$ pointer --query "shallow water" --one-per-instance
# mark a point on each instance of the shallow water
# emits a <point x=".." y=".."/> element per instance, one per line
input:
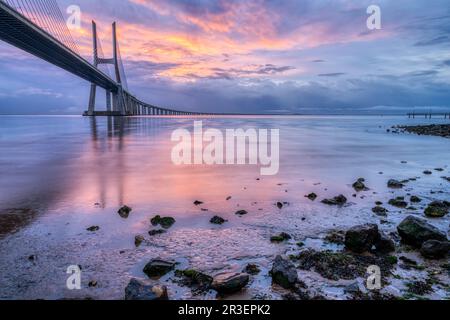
<point x="64" y="174"/>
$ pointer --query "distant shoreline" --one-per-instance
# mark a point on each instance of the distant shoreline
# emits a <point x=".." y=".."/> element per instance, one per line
<point x="239" y="114"/>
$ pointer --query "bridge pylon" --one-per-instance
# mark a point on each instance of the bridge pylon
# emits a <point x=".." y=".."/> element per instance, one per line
<point x="115" y="101"/>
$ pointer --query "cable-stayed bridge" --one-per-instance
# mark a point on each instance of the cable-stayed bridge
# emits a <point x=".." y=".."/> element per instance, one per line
<point x="39" y="28"/>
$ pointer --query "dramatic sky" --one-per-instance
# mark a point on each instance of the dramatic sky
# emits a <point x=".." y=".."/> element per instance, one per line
<point x="286" y="56"/>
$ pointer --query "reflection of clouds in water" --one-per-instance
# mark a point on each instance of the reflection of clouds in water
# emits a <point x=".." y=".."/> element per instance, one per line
<point x="69" y="164"/>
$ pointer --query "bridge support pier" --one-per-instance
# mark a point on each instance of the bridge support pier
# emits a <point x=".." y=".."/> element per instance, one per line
<point x="120" y="101"/>
<point x="108" y="101"/>
<point x="91" y="107"/>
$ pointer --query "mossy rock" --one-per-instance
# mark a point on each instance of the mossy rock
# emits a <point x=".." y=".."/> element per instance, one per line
<point x="436" y="209"/>
<point x="312" y="196"/>
<point x="392" y="259"/>
<point x="281" y="237"/>
<point x="341" y="265"/>
<point x="415" y="231"/>
<point x="124" y="212"/>
<point x="252" y="269"/>
<point x="283" y="272"/>
<point x="359" y="185"/>
<point x="398" y="202"/>
<point x="339" y="200"/>
<point x="138" y="240"/>
<point x="165" y="222"/>
<point x="217" y="220"/>
<point x="361" y="238"/>
<point x="158" y="268"/>
<point x="380" y="211"/>
<point x="241" y="212"/>
<point x="202" y="280"/>
<point x="155" y="220"/>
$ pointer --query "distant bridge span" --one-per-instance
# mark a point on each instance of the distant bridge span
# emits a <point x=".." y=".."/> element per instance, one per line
<point x="17" y="29"/>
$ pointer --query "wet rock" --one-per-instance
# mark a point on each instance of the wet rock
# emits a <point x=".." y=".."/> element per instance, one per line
<point x="336" y="201"/>
<point x="446" y="267"/>
<point x="436" y="209"/>
<point x="217" y="220"/>
<point x="335" y="236"/>
<point x="398" y="202"/>
<point x="196" y="279"/>
<point x="419" y="287"/>
<point x="284" y="273"/>
<point x="312" y="196"/>
<point x="93" y="228"/>
<point x="124" y="212"/>
<point x="361" y="238"/>
<point x="395" y="184"/>
<point x="340" y="265"/>
<point x="415" y="231"/>
<point x="138" y="290"/>
<point x="440" y="130"/>
<point x="359" y="185"/>
<point x="252" y="269"/>
<point x="197" y="202"/>
<point x="279" y="205"/>
<point x="380" y="211"/>
<point x="353" y="289"/>
<point x="384" y="244"/>
<point x="281" y="237"/>
<point x="408" y="263"/>
<point x="156" y="232"/>
<point x="392" y="259"/>
<point x="158" y="268"/>
<point x="165" y="222"/>
<point x="230" y="282"/>
<point x="434" y="249"/>
<point x="155" y="220"/>
<point x="415" y="199"/>
<point x="138" y="240"/>
<point x="241" y="212"/>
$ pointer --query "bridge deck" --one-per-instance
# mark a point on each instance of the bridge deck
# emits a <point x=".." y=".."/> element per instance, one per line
<point x="429" y="114"/>
<point x="21" y="33"/>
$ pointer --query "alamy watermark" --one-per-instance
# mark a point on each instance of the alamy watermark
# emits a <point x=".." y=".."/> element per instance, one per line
<point x="73" y="22"/>
<point x="231" y="147"/>
<point x="374" y="20"/>
<point x="374" y="279"/>
<point x="73" y="282"/>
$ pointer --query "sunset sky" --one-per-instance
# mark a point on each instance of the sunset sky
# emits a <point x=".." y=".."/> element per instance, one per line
<point x="283" y="56"/>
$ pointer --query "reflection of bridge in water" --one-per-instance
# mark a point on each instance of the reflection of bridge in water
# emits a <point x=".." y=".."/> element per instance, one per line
<point x="38" y="27"/>
<point x="94" y="171"/>
<point x="107" y="144"/>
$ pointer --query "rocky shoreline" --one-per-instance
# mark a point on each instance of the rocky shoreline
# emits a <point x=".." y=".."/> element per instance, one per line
<point x="439" y="130"/>
<point x="313" y="240"/>
<point x="361" y="248"/>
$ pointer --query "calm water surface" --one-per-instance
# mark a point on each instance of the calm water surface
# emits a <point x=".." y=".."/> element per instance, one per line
<point x="60" y="175"/>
